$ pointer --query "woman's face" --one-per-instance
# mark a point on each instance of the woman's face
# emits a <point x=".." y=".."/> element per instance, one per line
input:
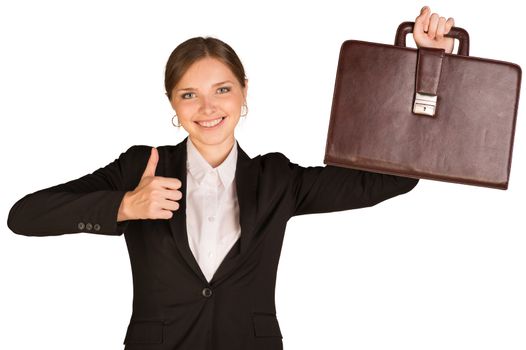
<point x="208" y="100"/>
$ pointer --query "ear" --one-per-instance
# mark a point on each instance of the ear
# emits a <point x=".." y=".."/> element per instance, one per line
<point x="245" y="90"/>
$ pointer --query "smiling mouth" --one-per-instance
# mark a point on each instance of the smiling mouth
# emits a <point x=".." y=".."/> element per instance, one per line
<point x="211" y="123"/>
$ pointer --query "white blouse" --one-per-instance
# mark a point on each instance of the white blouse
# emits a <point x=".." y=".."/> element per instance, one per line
<point x="212" y="209"/>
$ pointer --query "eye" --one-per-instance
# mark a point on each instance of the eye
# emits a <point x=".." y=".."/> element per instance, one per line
<point x="183" y="95"/>
<point x="225" y="87"/>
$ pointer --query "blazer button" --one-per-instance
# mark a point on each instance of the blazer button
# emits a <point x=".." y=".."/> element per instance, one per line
<point x="96" y="227"/>
<point x="81" y="226"/>
<point x="207" y="292"/>
<point x="89" y="226"/>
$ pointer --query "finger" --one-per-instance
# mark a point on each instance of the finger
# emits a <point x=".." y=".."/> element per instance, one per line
<point x="167" y="204"/>
<point x="441" y="28"/>
<point x="165" y="214"/>
<point x="171" y="183"/>
<point x="152" y="163"/>
<point x="421" y="20"/>
<point x="433" y="23"/>
<point x="450" y="23"/>
<point x="173" y="195"/>
<point x="426" y="20"/>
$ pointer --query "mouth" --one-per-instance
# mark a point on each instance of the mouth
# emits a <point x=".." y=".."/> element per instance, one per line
<point x="211" y="124"/>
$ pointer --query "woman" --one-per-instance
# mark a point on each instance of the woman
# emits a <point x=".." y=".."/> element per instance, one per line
<point x="203" y="222"/>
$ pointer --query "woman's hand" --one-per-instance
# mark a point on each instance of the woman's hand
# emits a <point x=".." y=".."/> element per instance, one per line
<point x="429" y="30"/>
<point x="154" y="197"/>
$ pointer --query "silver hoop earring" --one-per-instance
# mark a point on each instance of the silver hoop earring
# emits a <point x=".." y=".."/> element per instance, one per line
<point x="244" y="113"/>
<point x="178" y="124"/>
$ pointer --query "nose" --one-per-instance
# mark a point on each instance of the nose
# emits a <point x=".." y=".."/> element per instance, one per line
<point x="207" y="105"/>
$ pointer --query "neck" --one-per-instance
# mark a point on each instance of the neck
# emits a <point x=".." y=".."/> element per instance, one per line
<point x="214" y="154"/>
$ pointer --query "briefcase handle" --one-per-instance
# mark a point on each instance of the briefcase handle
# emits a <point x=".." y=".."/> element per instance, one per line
<point x="456" y="32"/>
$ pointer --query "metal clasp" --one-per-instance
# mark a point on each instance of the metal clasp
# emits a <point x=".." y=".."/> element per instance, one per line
<point x="425" y="104"/>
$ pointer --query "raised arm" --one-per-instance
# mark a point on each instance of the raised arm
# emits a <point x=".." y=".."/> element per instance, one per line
<point x="87" y="204"/>
<point x="330" y="188"/>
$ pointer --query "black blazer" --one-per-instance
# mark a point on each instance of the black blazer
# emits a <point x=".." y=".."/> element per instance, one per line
<point x="174" y="307"/>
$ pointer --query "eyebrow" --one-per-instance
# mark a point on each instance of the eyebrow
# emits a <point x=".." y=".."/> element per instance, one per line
<point x="191" y="88"/>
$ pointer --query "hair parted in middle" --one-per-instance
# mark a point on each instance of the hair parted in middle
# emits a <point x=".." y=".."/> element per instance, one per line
<point x="194" y="49"/>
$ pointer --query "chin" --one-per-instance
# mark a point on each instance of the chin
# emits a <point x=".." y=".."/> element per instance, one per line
<point x="212" y="139"/>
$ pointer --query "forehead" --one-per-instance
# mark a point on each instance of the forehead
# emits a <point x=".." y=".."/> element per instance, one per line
<point x="206" y="71"/>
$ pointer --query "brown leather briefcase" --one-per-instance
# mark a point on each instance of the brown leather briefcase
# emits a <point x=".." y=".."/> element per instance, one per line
<point x="423" y="113"/>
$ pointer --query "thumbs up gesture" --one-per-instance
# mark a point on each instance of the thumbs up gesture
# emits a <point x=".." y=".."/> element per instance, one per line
<point x="155" y="197"/>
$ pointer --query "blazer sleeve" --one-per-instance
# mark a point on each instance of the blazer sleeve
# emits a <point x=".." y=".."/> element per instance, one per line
<point x="88" y="204"/>
<point x="318" y="189"/>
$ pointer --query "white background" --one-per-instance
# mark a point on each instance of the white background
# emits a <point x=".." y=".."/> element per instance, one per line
<point x="443" y="267"/>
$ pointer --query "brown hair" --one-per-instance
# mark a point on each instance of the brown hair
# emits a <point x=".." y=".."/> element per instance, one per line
<point x="194" y="49"/>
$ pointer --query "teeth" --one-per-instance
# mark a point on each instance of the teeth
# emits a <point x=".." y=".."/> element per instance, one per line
<point x="210" y="123"/>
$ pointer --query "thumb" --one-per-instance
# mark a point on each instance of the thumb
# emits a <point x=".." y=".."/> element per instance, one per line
<point x="422" y="21"/>
<point x="152" y="163"/>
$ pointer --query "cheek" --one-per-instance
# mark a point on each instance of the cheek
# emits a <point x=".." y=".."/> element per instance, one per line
<point x="185" y="111"/>
<point x="233" y="106"/>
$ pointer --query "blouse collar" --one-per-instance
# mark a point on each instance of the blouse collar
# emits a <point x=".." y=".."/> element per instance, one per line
<point x="199" y="167"/>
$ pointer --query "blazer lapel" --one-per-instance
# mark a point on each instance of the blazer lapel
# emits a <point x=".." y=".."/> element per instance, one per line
<point x="176" y="167"/>
<point x="246" y="178"/>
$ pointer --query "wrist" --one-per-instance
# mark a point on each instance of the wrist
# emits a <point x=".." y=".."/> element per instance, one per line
<point x="123" y="213"/>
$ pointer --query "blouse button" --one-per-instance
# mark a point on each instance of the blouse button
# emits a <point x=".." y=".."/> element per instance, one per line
<point x="211" y="218"/>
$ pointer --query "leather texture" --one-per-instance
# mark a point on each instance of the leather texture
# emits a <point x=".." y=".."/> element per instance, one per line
<point x="469" y="140"/>
<point x="428" y="70"/>
<point x="174" y="306"/>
